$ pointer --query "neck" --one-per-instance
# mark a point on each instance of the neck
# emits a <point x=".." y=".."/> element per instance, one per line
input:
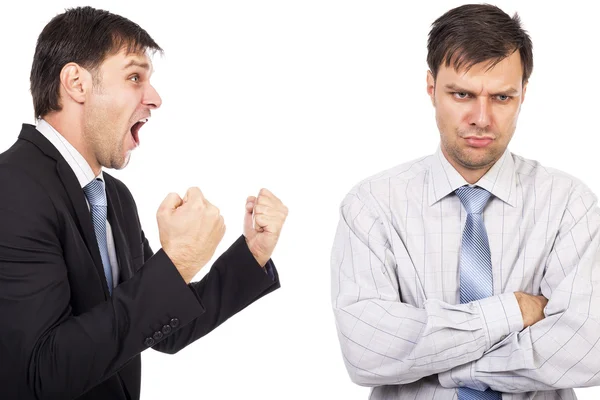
<point x="72" y="130"/>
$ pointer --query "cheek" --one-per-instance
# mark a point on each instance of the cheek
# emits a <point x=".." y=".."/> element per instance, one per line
<point x="450" y="115"/>
<point x="506" y="119"/>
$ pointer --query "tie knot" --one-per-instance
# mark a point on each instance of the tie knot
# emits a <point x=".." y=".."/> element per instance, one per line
<point x="473" y="199"/>
<point x="94" y="191"/>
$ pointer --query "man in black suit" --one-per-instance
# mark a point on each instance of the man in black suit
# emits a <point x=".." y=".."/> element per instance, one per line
<point x="81" y="292"/>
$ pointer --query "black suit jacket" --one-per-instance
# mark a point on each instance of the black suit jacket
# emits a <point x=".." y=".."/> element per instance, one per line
<point x="62" y="335"/>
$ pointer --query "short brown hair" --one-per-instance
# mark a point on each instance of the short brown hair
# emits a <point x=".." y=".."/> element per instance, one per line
<point x="474" y="33"/>
<point x="85" y="36"/>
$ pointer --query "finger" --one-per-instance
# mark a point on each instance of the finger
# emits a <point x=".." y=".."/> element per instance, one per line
<point x="194" y="194"/>
<point x="223" y="228"/>
<point x="268" y="223"/>
<point x="266" y="200"/>
<point x="269" y="211"/>
<point x="171" y="202"/>
<point x="267" y="193"/>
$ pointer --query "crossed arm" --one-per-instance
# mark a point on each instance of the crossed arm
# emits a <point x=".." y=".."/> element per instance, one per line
<point x="486" y="343"/>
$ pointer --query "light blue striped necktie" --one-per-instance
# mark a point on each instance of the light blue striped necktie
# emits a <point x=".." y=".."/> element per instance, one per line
<point x="475" y="265"/>
<point x="94" y="191"/>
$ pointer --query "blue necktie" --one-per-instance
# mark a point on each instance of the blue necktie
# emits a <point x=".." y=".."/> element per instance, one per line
<point x="475" y="265"/>
<point x="94" y="191"/>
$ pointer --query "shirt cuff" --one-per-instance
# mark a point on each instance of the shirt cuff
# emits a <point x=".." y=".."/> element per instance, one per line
<point x="501" y="315"/>
<point x="461" y="376"/>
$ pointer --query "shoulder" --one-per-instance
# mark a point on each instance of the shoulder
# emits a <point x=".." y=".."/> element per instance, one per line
<point x="375" y="188"/>
<point x="24" y="195"/>
<point x="553" y="179"/>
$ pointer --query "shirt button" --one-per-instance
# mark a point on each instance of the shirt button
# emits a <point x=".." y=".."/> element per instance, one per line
<point x="157" y="335"/>
<point x="166" y="329"/>
<point x="174" y="322"/>
<point x="461" y="383"/>
<point x="149" y="342"/>
<point x="503" y="337"/>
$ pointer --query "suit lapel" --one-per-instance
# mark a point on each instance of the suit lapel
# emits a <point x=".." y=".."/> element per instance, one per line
<point x="115" y="216"/>
<point x="84" y="217"/>
<point x="75" y="193"/>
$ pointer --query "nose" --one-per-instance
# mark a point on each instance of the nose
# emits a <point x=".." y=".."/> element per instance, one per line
<point x="152" y="98"/>
<point x="481" y="115"/>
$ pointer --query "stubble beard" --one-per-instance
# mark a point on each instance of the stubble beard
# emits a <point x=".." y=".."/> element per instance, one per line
<point x="461" y="154"/>
<point x="105" y="145"/>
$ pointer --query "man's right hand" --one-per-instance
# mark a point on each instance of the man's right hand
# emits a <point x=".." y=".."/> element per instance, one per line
<point x="532" y="307"/>
<point x="190" y="230"/>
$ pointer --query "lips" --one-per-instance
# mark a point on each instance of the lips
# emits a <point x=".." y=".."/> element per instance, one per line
<point x="478" y="142"/>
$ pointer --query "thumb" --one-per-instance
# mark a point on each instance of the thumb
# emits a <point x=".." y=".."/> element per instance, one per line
<point x="248" y="220"/>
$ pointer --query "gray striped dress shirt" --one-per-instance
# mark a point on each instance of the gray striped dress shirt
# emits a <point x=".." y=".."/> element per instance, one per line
<point x="395" y="283"/>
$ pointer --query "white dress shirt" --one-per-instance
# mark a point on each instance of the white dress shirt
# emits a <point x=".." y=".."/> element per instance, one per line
<point x="396" y="295"/>
<point x="84" y="175"/>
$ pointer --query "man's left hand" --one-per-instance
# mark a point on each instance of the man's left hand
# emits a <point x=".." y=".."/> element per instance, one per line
<point x="265" y="215"/>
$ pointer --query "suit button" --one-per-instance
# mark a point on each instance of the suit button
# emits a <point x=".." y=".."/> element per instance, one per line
<point x="174" y="322"/>
<point x="149" y="342"/>
<point x="166" y="329"/>
<point x="157" y="335"/>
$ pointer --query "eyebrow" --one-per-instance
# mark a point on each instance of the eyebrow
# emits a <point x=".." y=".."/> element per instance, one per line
<point x="135" y="63"/>
<point x="509" y="91"/>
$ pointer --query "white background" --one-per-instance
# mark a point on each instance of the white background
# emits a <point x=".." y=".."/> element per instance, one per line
<point x="305" y="98"/>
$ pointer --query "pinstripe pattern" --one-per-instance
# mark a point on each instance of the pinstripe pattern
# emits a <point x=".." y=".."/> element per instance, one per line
<point x="94" y="191"/>
<point x="395" y="283"/>
<point x="475" y="265"/>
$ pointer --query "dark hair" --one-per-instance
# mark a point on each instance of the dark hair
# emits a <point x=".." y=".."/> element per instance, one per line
<point x="474" y="33"/>
<point x="85" y="36"/>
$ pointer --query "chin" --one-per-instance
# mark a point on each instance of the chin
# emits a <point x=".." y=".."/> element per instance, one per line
<point x="124" y="163"/>
<point x="484" y="160"/>
<point x="120" y="163"/>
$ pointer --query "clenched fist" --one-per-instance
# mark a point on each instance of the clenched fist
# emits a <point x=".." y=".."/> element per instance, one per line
<point x="262" y="234"/>
<point x="190" y="230"/>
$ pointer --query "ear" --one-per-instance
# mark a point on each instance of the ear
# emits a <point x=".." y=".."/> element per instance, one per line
<point x="431" y="87"/>
<point x="75" y="82"/>
<point x="524" y="90"/>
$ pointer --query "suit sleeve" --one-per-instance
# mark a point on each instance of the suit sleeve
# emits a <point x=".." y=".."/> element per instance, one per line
<point x="234" y="281"/>
<point x="46" y="350"/>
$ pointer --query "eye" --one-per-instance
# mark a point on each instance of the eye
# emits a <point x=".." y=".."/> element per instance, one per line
<point x="135" y="78"/>
<point x="460" y="95"/>
<point x="503" y="98"/>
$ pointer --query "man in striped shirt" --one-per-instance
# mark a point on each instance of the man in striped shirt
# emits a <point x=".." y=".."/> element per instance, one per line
<point x="469" y="274"/>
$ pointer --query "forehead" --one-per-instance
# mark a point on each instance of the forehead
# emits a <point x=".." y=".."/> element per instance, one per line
<point x="125" y="61"/>
<point x="508" y="71"/>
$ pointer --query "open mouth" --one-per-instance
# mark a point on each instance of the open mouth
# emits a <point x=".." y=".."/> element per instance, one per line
<point x="135" y="130"/>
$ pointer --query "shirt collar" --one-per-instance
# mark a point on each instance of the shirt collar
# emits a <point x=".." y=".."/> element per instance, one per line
<point x="499" y="180"/>
<point x="78" y="164"/>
